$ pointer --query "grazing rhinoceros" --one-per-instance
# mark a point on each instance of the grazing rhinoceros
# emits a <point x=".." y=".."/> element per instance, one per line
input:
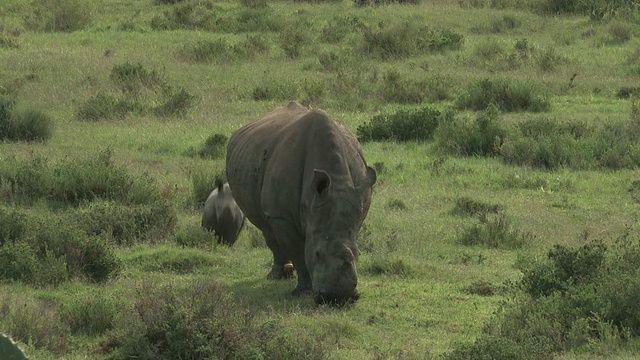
<point x="222" y="215"/>
<point x="302" y="179"/>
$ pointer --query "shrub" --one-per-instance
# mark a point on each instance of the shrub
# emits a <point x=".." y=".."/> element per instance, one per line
<point x="132" y="78"/>
<point x="59" y="15"/>
<point x="175" y="102"/>
<point x="12" y="225"/>
<point x="199" y="321"/>
<point x="508" y="96"/>
<point x="466" y="206"/>
<point x="292" y="39"/>
<point x="18" y="262"/>
<point x="495" y="231"/>
<point x="395" y="88"/>
<point x="404" y="125"/>
<point x="34" y="321"/>
<point x="258" y="19"/>
<point x="272" y="90"/>
<point x="214" y="147"/>
<point x="104" y="106"/>
<point x="191" y="16"/>
<point x="126" y="224"/>
<point x="483" y="137"/>
<point x="89" y="313"/>
<point x="28" y="125"/>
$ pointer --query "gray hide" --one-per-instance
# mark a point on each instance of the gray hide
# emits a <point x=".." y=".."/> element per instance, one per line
<point x="301" y="178"/>
<point x="222" y="215"/>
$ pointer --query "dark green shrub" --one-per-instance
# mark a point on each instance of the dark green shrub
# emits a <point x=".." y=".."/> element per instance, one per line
<point x="566" y="268"/>
<point x="214" y="147"/>
<point x="104" y="106"/>
<point x="59" y="15"/>
<point x="466" y="206"/>
<point x="35" y="322"/>
<point x="27" y="125"/>
<point x="175" y="102"/>
<point x="404" y="125"/>
<point x="200" y="15"/>
<point x="127" y="224"/>
<point x="292" y="39"/>
<point x="18" y="262"/>
<point x="89" y="313"/>
<point x="272" y="90"/>
<point x="396" y="204"/>
<point x="197" y="320"/>
<point x="12" y="225"/>
<point x="209" y="51"/>
<point x="259" y="19"/>
<point x="508" y="96"/>
<point x="483" y="136"/>
<point x="73" y="181"/>
<point x="132" y="78"/>
<point x="396" y="88"/>
<point x="438" y="39"/>
<point x="395" y="41"/>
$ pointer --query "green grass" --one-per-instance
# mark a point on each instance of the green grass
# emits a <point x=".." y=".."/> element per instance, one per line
<point x="425" y="290"/>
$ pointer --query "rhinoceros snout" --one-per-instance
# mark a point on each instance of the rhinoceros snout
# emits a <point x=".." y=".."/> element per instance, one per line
<point x="328" y="298"/>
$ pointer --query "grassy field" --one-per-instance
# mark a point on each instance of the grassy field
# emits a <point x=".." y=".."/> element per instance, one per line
<point x="142" y="85"/>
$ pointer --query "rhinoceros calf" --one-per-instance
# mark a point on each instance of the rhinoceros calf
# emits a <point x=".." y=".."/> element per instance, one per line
<point x="222" y="215"/>
<point x="301" y="178"/>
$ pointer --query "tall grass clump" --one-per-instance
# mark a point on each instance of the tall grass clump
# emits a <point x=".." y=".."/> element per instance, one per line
<point x="404" y="125"/>
<point x="398" y="89"/>
<point x="482" y="136"/>
<point x="26" y="125"/>
<point x="188" y="15"/>
<point x="495" y="230"/>
<point x="508" y="95"/>
<point x="198" y="320"/>
<point x="214" y="147"/>
<point x="59" y="15"/>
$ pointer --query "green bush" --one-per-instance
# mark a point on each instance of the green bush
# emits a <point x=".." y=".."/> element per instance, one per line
<point x="90" y="313"/>
<point x="507" y="95"/>
<point x="466" y="206"/>
<point x="483" y="136"/>
<point x="189" y="15"/>
<point x="35" y="322"/>
<point x="12" y="225"/>
<point x="27" y="125"/>
<point x="214" y="147"/>
<point x="197" y="320"/>
<point x="18" y="262"/>
<point x="132" y="78"/>
<point x="175" y="102"/>
<point x="104" y="106"/>
<point x="404" y="125"/>
<point x="59" y="15"/>
<point x="126" y="224"/>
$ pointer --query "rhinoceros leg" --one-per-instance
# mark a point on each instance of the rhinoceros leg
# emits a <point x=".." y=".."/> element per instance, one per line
<point x="279" y="269"/>
<point x="291" y="242"/>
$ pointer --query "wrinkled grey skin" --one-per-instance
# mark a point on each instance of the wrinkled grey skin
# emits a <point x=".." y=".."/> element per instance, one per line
<point x="222" y="215"/>
<point x="301" y="178"/>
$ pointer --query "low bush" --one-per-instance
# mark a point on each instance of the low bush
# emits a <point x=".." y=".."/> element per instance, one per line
<point x="34" y="321"/>
<point x="403" y="39"/>
<point x="59" y="15"/>
<point x="198" y="320"/>
<point x="466" y="206"/>
<point x="199" y="15"/>
<point x="483" y="136"/>
<point x="90" y="313"/>
<point x="404" y="125"/>
<point x="214" y="147"/>
<point x="507" y="95"/>
<point x="574" y="298"/>
<point x="394" y="88"/>
<point x="26" y="125"/>
<point x="138" y="90"/>
<point x="126" y="224"/>
<point x="73" y="181"/>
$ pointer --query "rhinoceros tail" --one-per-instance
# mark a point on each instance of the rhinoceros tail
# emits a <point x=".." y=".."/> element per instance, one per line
<point x="219" y="185"/>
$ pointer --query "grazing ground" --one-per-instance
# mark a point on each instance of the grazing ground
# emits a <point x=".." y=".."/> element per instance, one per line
<point x="507" y="229"/>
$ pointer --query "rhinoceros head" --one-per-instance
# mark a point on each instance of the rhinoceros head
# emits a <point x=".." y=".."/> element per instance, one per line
<point x="331" y="252"/>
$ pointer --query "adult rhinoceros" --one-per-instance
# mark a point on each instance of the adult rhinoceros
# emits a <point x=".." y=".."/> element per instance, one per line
<point x="302" y="179"/>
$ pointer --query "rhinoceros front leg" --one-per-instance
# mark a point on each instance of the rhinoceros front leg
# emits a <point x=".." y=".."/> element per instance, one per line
<point x="281" y="268"/>
<point x="291" y="243"/>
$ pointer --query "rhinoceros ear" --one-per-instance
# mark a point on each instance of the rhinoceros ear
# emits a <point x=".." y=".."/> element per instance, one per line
<point x="321" y="183"/>
<point x="370" y="179"/>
